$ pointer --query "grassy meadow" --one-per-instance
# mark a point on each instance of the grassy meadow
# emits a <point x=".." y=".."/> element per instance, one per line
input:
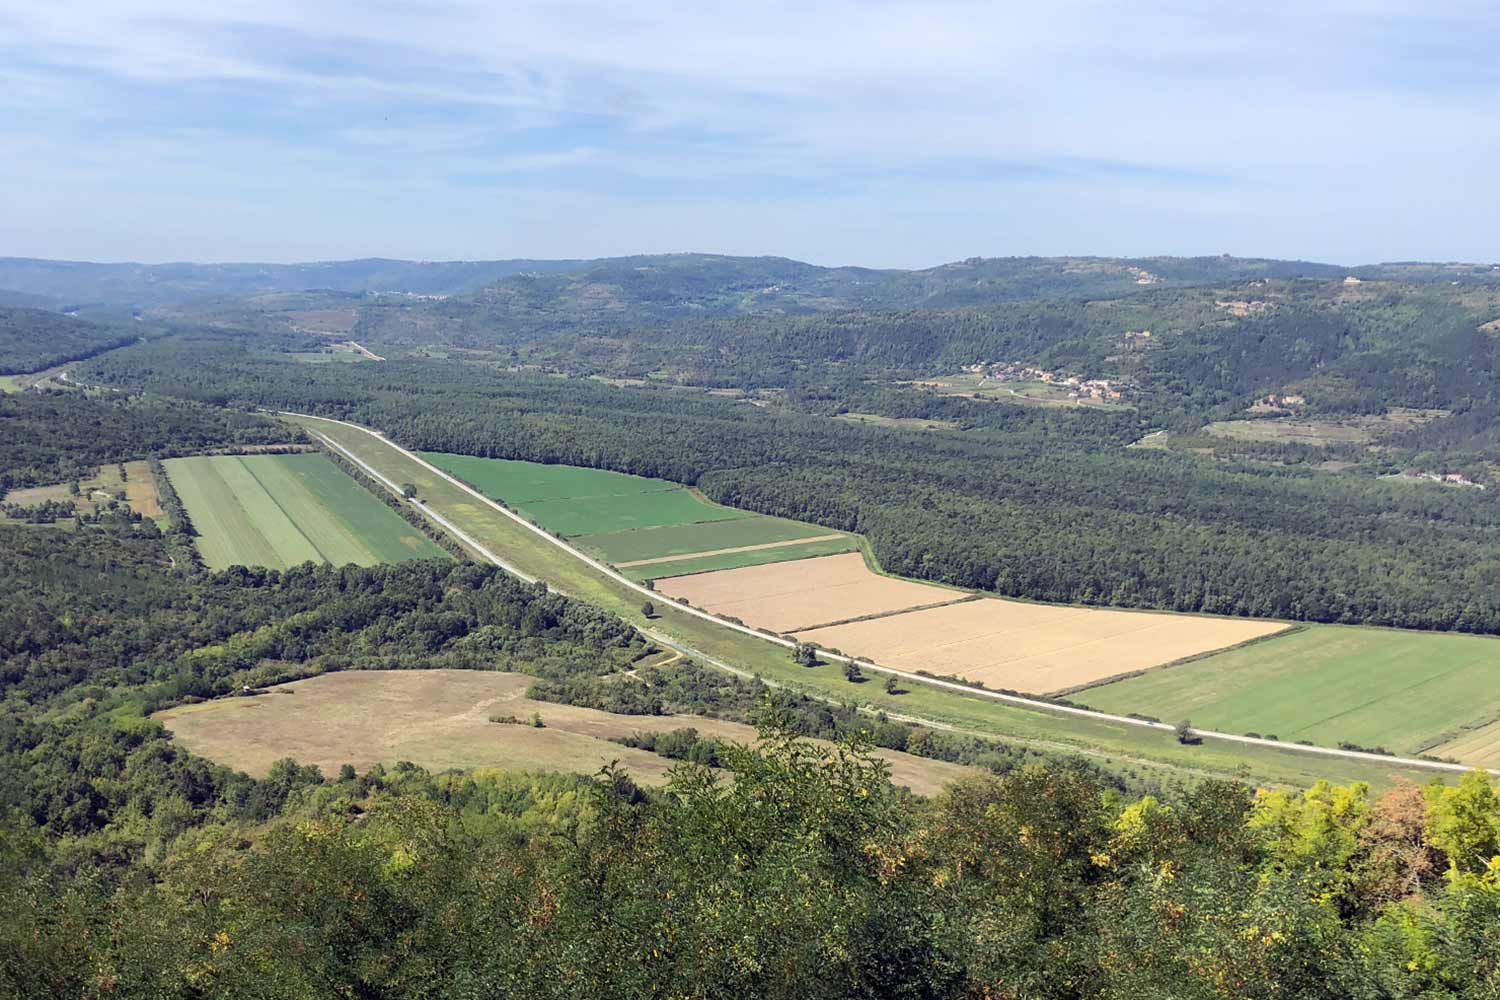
<point x="1405" y="691"/>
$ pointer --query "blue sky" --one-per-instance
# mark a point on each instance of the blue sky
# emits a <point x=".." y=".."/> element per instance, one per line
<point x="885" y="134"/>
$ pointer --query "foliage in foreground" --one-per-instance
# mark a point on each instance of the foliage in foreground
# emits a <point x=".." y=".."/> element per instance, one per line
<point x="806" y="875"/>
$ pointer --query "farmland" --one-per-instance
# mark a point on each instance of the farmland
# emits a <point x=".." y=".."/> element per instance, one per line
<point x="788" y="597"/>
<point x="651" y="527"/>
<point x="1407" y="691"/>
<point x="283" y="510"/>
<point x="681" y="540"/>
<point x="440" y="719"/>
<point x="1035" y="648"/>
<point x="1138" y="749"/>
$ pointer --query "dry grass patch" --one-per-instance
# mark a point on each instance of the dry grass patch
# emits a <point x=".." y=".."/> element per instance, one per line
<point x="1035" y="648"/>
<point x="94" y="491"/>
<point x="790" y="596"/>
<point x="440" y="719"/>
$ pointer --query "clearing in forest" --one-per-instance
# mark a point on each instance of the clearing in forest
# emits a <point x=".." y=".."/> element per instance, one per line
<point x="283" y="510"/>
<point x="1375" y="687"/>
<point x="138" y="485"/>
<point x="1035" y="648"/>
<point x="791" y="596"/>
<point x="440" y="719"/>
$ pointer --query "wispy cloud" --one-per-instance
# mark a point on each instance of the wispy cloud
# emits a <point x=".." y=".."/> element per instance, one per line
<point x="873" y="132"/>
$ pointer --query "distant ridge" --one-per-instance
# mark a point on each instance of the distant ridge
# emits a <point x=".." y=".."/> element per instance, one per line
<point x="691" y="278"/>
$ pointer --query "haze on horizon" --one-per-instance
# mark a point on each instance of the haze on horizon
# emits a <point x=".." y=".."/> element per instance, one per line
<point x="880" y="134"/>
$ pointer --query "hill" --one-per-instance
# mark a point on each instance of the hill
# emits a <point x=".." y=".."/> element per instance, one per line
<point x="86" y="282"/>
<point x="33" y="339"/>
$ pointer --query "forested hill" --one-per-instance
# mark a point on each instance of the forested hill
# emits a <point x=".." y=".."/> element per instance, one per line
<point x="532" y="292"/>
<point x="64" y="282"/>
<point x="33" y="339"/>
<point x="634" y="291"/>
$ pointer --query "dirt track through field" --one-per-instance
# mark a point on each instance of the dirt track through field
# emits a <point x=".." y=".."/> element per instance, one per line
<point x="726" y="552"/>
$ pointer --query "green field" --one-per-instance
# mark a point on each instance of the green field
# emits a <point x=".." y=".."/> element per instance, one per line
<point x="682" y="539"/>
<point x="1405" y="691"/>
<point x="590" y="515"/>
<point x="734" y="560"/>
<point x="283" y="510"/>
<point x="523" y="482"/>
<point x="571" y="500"/>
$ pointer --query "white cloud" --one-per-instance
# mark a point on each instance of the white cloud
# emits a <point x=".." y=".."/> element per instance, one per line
<point x="1176" y="124"/>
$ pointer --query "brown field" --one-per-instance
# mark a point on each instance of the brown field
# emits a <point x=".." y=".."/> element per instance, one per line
<point x="440" y="719"/>
<point x="1480" y="747"/>
<point x="139" y="486"/>
<point x="1034" y="648"/>
<point x="804" y="593"/>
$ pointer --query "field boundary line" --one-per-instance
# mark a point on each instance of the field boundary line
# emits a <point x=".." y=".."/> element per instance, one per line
<point x="283" y="511"/>
<point x="1022" y="701"/>
<point x="655" y="560"/>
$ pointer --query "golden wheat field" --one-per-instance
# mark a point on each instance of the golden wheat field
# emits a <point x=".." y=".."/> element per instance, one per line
<point x="1034" y="648"/>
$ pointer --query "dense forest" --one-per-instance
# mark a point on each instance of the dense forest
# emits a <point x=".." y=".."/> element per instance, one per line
<point x="33" y="339"/>
<point x="49" y="437"/>
<point x="1038" y="503"/>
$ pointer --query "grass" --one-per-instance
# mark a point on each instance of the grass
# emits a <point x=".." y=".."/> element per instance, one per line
<point x="8" y="383"/>
<point x="283" y="510"/>
<point x="899" y="423"/>
<point x="1021" y="393"/>
<point x="735" y="560"/>
<point x="1115" y="745"/>
<point x="592" y="515"/>
<point x="1406" y="691"/>
<point x="571" y="500"/>
<point x="524" y="482"/>
<point x="1360" y="429"/>
<point x="682" y="539"/>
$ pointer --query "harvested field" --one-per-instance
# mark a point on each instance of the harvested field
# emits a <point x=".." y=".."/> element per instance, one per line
<point x="1034" y="648"/>
<point x="283" y="510"/>
<point x="791" y="596"/>
<point x="440" y="719"/>
<point x="1405" y="691"/>
<point x="1479" y="746"/>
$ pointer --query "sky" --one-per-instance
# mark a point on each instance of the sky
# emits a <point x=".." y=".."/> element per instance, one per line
<point x="873" y="133"/>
